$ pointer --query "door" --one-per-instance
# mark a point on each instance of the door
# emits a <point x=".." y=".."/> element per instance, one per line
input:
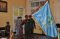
<point x="17" y="11"/>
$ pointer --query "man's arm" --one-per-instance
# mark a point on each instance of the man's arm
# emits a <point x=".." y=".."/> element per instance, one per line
<point x="34" y="24"/>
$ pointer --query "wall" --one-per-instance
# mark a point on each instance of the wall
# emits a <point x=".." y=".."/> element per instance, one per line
<point x="55" y="7"/>
<point x="8" y="16"/>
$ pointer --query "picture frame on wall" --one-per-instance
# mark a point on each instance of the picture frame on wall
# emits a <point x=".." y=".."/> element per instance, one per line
<point x="3" y="6"/>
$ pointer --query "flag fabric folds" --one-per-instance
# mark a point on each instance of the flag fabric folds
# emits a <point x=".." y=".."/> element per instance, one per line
<point x="44" y="17"/>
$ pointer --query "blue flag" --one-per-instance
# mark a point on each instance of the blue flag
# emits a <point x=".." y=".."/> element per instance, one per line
<point x="44" y="17"/>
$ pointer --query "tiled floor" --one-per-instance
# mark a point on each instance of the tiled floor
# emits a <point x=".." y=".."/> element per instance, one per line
<point x="35" y="36"/>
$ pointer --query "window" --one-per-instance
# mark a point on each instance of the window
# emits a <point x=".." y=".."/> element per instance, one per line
<point x="33" y="4"/>
<point x="36" y="5"/>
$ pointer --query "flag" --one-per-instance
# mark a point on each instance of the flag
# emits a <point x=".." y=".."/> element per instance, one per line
<point x="44" y="17"/>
